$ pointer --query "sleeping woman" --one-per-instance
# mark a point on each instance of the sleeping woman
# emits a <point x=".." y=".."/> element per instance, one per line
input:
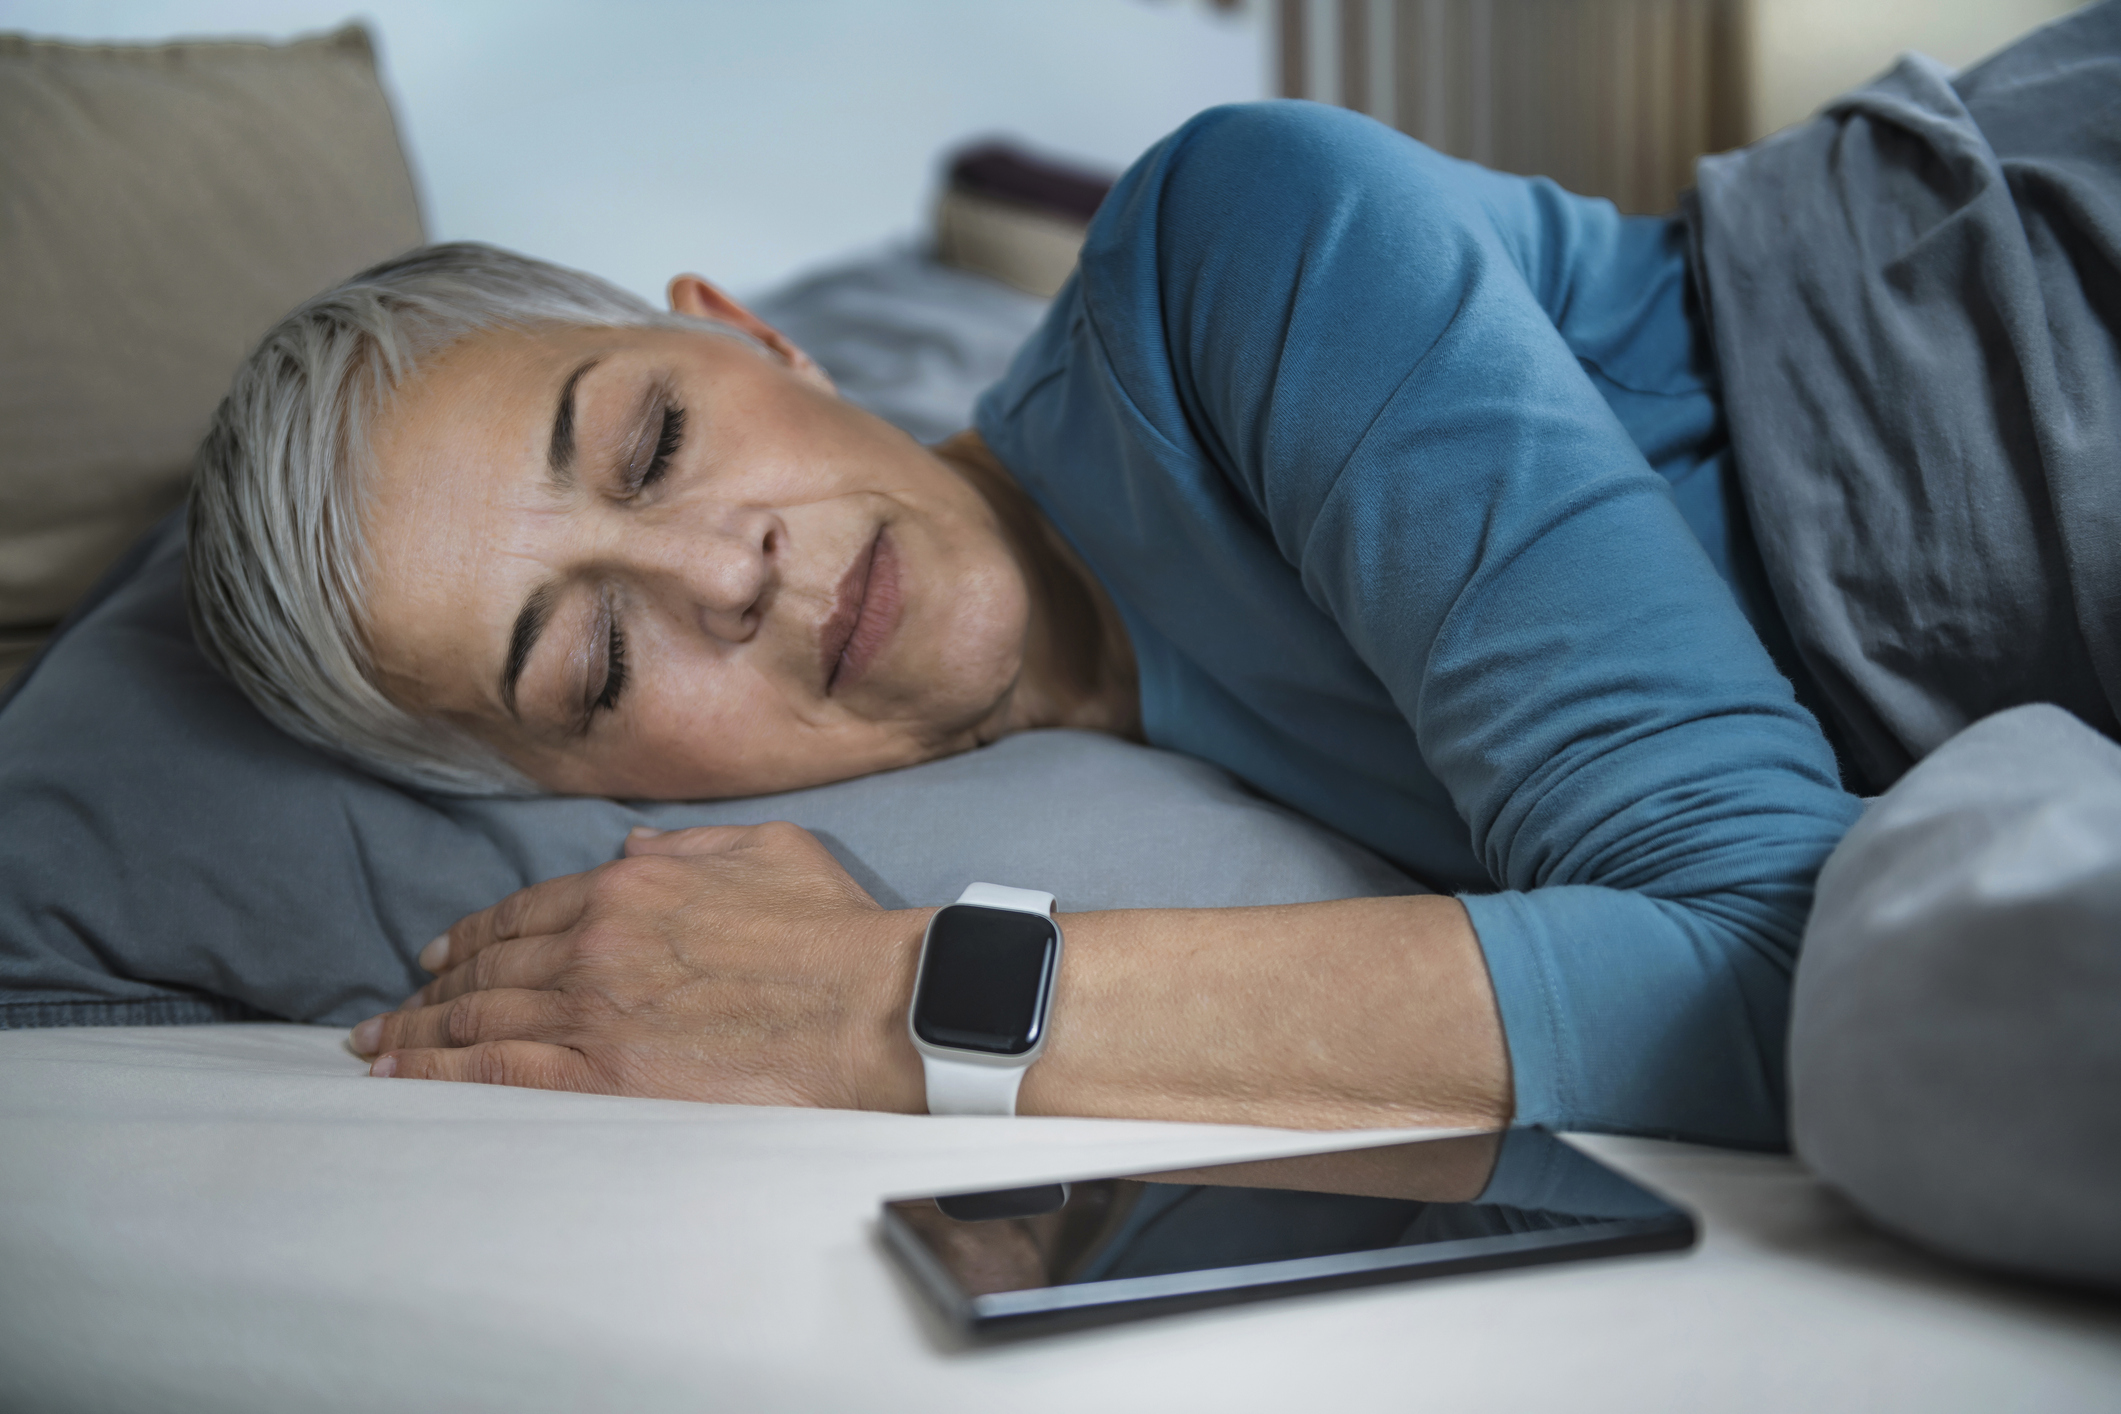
<point x="1403" y="490"/>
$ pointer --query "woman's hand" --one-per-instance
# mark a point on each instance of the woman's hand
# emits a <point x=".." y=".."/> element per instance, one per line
<point x="724" y="963"/>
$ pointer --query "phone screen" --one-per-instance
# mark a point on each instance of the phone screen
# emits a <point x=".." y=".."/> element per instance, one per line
<point x="1105" y="1248"/>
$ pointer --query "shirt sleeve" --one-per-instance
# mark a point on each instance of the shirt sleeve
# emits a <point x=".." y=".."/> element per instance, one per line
<point x="1314" y="302"/>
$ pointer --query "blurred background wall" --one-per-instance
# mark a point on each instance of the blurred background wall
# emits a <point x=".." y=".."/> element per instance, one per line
<point x="745" y="139"/>
<point x="750" y="139"/>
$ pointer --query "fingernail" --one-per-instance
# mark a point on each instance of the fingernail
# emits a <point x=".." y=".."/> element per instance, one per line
<point x="435" y="956"/>
<point x="384" y="1068"/>
<point x="642" y="832"/>
<point x="367" y="1034"/>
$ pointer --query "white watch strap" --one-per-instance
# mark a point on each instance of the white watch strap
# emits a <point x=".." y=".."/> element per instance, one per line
<point x="967" y="1087"/>
<point x="1002" y="896"/>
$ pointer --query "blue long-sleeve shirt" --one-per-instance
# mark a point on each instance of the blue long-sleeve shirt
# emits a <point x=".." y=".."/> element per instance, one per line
<point x="1338" y="423"/>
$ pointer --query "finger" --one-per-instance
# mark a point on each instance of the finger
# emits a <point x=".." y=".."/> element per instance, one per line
<point x="510" y="1015"/>
<point x="549" y="907"/>
<point x="528" y="1063"/>
<point x="534" y="963"/>
<point x="701" y="839"/>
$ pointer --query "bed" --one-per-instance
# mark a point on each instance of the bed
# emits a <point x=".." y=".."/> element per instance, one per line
<point x="227" y="1214"/>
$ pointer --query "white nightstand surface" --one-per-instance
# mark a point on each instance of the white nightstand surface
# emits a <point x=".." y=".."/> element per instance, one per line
<point x="232" y="1218"/>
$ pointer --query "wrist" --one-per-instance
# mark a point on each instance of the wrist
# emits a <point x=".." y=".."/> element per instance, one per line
<point x="983" y="996"/>
<point x="886" y="1068"/>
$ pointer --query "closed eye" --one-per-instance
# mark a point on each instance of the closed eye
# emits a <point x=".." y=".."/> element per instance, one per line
<point x="668" y="439"/>
<point x="614" y="672"/>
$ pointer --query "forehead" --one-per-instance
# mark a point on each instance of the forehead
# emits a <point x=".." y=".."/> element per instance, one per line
<point x="495" y="384"/>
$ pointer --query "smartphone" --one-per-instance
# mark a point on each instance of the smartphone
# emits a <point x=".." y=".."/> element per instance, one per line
<point x="1061" y="1255"/>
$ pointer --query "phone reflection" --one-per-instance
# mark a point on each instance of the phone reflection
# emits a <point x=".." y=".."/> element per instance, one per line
<point x="1224" y="1215"/>
<point x="995" y="1203"/>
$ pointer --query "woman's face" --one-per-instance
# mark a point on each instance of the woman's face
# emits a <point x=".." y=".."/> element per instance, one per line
<point x="659" y="563"/>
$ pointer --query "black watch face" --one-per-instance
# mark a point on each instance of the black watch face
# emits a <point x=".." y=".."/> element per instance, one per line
<point x="983" y="979"/>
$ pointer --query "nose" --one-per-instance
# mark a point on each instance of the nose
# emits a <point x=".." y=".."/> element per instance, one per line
<point x="725" y="571"/>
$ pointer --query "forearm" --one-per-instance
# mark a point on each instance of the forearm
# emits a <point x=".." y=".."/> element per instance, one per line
<point x="743" y="965"/>
<point x="1364" y="1012"/>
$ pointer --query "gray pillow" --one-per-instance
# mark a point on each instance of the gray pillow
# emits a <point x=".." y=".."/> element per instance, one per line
<point x="1955" y="1055"/>
<point x="904" y="336"/>
<point x="171" y="857"/>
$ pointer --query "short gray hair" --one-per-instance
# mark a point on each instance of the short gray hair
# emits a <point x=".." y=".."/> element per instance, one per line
<point x="276" y="561"/>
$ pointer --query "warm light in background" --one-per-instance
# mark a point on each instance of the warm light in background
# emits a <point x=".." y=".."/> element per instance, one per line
<point x="1807" y="51"/>
<point x="1615" y="98"/>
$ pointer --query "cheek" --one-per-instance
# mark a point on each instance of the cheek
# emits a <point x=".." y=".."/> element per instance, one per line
<point x="677" y="748"/>
<point x="754" y="747"/>
<point x="711" y="727"/>
<point x="703" y="708"/>
<point x="979" y="641"/>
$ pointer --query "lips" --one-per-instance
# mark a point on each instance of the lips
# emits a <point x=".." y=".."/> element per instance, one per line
<point x="864" y="611"/>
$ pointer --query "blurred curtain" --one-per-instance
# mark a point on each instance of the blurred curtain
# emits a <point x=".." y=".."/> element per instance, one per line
<point x="1612" y="98"/>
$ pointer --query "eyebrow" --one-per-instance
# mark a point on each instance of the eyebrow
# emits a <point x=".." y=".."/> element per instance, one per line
<point x="559" y="456"/>
<point x="523" y="637"/>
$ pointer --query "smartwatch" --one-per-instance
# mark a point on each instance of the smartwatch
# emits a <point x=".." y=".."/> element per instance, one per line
<point x="982" y="997"/>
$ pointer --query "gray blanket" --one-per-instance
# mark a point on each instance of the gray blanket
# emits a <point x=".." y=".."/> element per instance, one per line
<point x="1915" y="299"/>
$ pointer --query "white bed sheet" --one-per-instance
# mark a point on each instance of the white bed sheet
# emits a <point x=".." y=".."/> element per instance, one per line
<point x="237" y="1218"/>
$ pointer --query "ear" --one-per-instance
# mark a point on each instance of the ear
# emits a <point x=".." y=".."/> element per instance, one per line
<point x="691" y="295"/>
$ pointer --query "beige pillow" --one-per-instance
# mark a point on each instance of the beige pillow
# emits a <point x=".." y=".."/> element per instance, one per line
<point x="1019" y="245"/>
<point x="1016" y="216"/>
<point x="163" y="206"/>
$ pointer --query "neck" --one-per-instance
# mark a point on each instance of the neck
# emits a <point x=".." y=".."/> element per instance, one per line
<point x="1078" y="663"/>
